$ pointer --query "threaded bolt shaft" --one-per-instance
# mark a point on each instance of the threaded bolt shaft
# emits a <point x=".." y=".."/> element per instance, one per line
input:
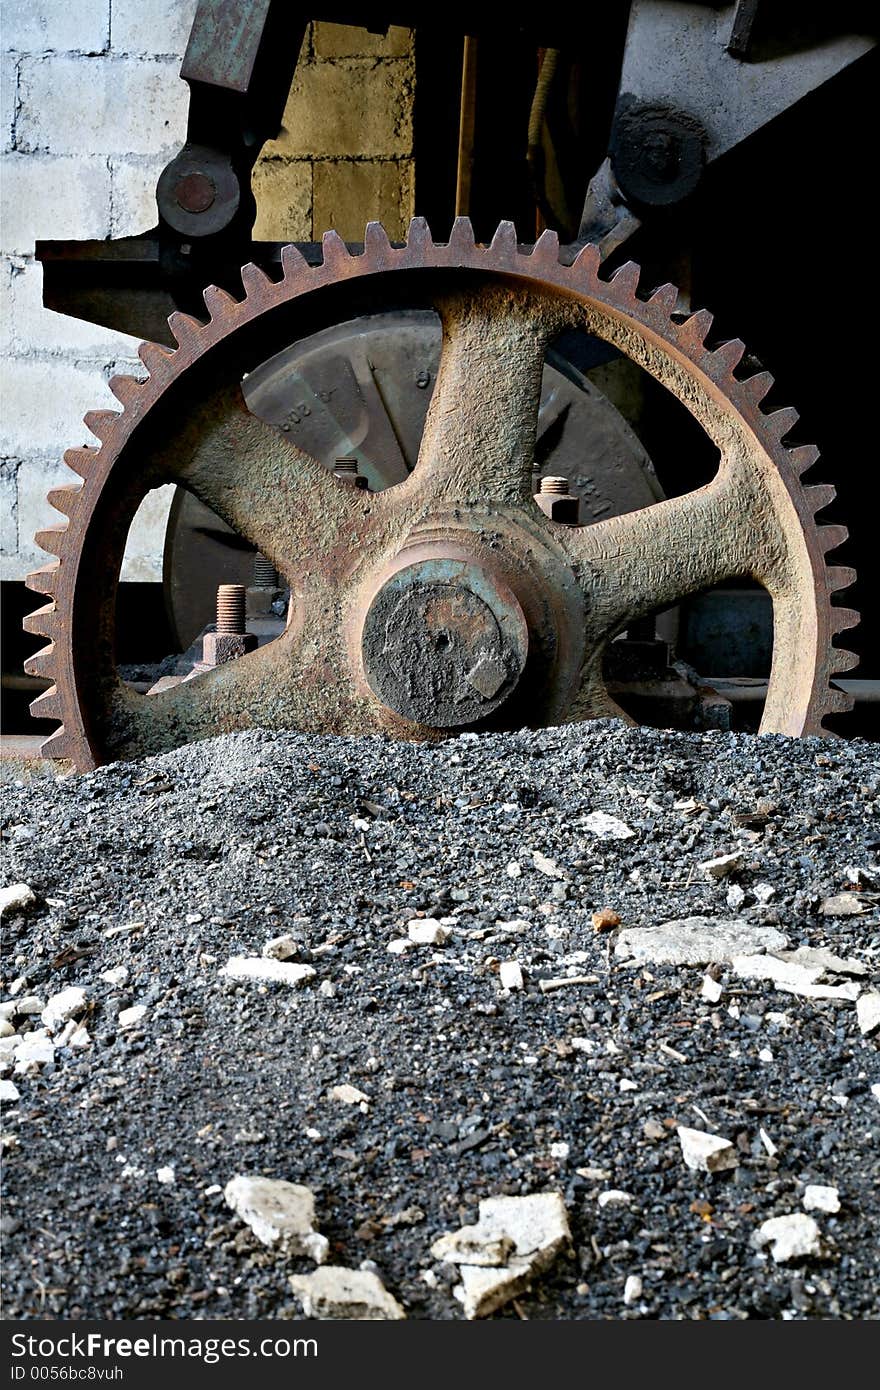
<point x="265" y="573"/>
<point x="557" y="487"/>
<point x="231" y="609"/>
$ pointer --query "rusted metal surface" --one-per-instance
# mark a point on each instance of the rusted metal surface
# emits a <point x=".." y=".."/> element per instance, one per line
<point x="469" y="498"/>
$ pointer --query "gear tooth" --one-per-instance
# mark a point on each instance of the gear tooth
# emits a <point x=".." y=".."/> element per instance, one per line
<point x="844" y="619"/>
<point x="81" y="461"/>
<point x="41" y="623"/>
<point x="156" y="359"/>
<point x="125" y="389"/>
<point x="802" y="457"/>
<point x="57" y="745"/>
<point x="293" y="262"/>
<point x="819" y="496"/>
<point x="830" y="537"/>
<point x="841" y="577"/>
<point x="782" y="422"/>
<point x="504" y="242"/>
<point x="44" y="580"/>
<point x="843" y="660"/>
<point x="546" y="248"/>
<point x="418" y="235"/>
<point x="47" y="705"/>
<point x="65" y="498"/>
<point x="333" y="248"/>
<point x="41" y="663"/>
<point x="101" y="423"/>
<point x="729" y="355"/>
<point x="376" y="240"/>
<point x="218" y="302"/>
<point x="757" y="386"/>
<point x="664" y="298"/>
<point x="51" y="538"/>
<point x="695" y="329"/>
<point x="839" y="702"/>
<point x="184" y="328"/>
<point x="626" y="279"/>
<point x="254" y="281"/>
<point x="461" y="238"/>
<point x="587" y="261"/>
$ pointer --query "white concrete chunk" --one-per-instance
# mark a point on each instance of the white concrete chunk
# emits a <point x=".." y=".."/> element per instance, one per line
<point x="792" y="978"/>
<point x="842" y="905"/>
<point x="116" y="975"/>
<point x="354" y="1294"/>
<point x="349" y="1095"/>
<point x="523" y="1234"/>
<point x="16" y="897"/>
<point x="510" y="974"/>
<point x="63" y="1006"/>
<point x="262" y="970"/>
<point x="868" y="1013"/>
<point x="792" y="1237"/>
<point x="723" y="866"/>
<point x="697" y="941"/>
<point x="706" y="1153"/>
<point x="280" y="948"/>
<point x="606" y="827"/>
<point x="427" y="931"/>
<point x="818" y="1197"/>
<point x="130" y="1018"/>
<point x="279" y="1213"/>
<point x="34" y="1050"/>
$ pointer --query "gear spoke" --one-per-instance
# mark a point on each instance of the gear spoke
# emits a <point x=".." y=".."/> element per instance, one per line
<point x="259" y="482"/>
<point x="479" y="439"/>
<point x="634" y="564"/>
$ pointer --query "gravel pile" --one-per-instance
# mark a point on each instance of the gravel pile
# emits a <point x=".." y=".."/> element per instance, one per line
<point x="639" y="970"/>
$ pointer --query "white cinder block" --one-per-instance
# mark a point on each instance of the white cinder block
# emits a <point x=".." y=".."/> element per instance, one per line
<point x="146" y="539"/>
<point x="152" y="27"/>
<point x="103" y="105"/>
<point x="39" y="26"/>
<point x="134" y="194"/>
<point x="52" y="199"/>
<point x="36" y="329"/>
<point x="43" y="405"/>
<point x="8" y="507"/>
<point x="6" y="306"/>
<point x="8" y="97"/>
<point x="35" y="478"/>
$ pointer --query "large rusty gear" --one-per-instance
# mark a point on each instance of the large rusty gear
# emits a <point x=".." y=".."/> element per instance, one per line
<point x="450" y="599"/>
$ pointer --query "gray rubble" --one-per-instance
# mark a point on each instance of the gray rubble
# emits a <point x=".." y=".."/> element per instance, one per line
<point x="148" y="878"/>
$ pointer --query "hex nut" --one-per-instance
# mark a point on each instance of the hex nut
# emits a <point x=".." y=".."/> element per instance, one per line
<point x="220" y="647"/>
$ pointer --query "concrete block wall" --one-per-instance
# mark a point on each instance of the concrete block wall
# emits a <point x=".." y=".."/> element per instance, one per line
<point x="92" y="109"/>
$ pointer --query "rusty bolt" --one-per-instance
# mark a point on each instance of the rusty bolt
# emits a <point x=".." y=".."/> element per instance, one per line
<point x="265" y="573"/>
<point x="265" y="589"/>
<point x="231" y="639"/>
<point x="347" y="471"/>
<point x="556" y="502"/>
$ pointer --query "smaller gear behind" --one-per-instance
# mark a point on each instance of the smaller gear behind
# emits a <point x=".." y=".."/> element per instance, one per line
<point x="514" y="607"/>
